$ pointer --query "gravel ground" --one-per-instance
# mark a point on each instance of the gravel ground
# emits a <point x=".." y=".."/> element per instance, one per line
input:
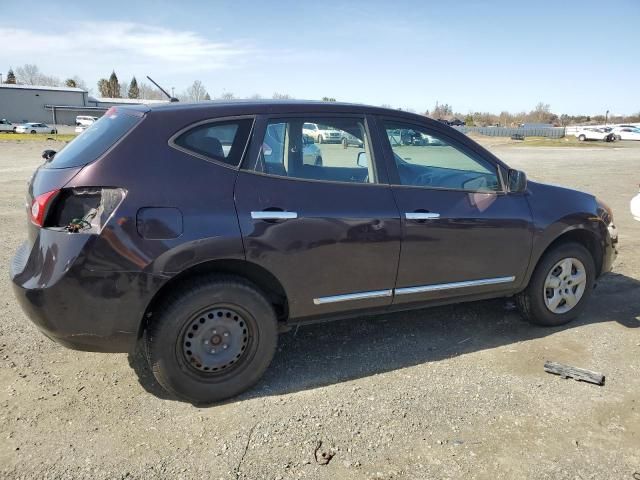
<point x="449" y="392"/>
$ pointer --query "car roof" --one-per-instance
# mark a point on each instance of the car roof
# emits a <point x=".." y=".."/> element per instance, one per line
<point x="237" y="107"/>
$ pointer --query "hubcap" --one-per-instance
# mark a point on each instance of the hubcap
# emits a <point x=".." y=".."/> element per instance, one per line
<point x="215" y="339"/>
<point x="565" y="285"/>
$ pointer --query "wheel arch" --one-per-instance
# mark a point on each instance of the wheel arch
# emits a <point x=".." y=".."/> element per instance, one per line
<point x="250" y="271"/>
<point x="582" y="236"/>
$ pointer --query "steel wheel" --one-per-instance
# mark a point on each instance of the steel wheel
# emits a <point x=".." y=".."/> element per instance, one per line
<point x="215" y="339"/>
<point x="565" y="285"/>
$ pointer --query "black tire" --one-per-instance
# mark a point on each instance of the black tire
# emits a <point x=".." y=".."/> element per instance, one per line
<point x="53" y="132"/>
<point x="318" y="162"/>
<point x="345" y="143"/>
<point x="170" y="330"/>
<point x="33" y="131"/>
<point x="582" y="138"/>
<point x="532" y="300"/>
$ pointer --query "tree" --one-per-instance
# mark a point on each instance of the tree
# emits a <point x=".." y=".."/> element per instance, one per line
<point x="207" y="97"/>
<point x="134" y="91"/>
<point x="468" y="120"/>
<point x="30" y="74"/>
<point x="103" y="87"/>
<point x="149" y="92"/>
<point x="255" y="96"/>
<point x="76" y="82"/>
<point x="109" y="88"/>
<point x="11" y="77"/>
<point x="281" y="96"/>
<point x="328" y="99"/>
<point x="196" y="92"/>
<point x="227" y="96"/>
<point x="114" y="85"/>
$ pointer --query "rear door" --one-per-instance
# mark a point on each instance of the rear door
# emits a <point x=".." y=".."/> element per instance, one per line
<point x="462" y="233"/>
<point x="329" y="232"/>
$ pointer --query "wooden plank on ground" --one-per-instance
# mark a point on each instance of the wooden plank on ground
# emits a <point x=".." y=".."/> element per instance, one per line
<point x="580" y="374"/>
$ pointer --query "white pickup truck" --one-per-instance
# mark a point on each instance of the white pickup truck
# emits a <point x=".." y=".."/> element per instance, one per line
<point x="6" y="126"/>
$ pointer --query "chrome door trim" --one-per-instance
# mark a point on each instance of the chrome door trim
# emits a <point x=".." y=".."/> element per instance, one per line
<point x="453" y="285"/>
<point x="421" y="215"/>
<point x="268" y="215"/>
<point x="353" y="296"/>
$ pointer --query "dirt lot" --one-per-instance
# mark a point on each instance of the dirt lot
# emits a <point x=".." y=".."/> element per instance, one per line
<point x="455" y="392"/>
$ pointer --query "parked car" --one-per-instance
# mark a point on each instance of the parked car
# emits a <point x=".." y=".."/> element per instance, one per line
<point x="85" y="120"/>
<point x="33" y="127"/>
<point x="635" y="207"/>
<point x="627" y="133"/>
<point x="593" y="133"/>
<point x="349" y="140"/>
<point x="456" y="123"/>
<point x="321" y="133"/>
<point x="6" y="126"/>
<point x="167" y="225"/>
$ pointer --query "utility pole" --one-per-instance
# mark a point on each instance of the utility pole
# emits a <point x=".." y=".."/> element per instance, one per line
<point x="606" y="116"/>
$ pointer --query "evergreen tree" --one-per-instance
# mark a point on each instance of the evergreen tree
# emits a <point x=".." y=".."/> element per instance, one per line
<point x="114" y="86"/>
<point x="70" y="82"/>
<point x="11" y="77"/>
<point x="134" y="91"/>
<point x="207" y="96"/>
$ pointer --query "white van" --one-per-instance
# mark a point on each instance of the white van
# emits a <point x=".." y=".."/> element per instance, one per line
<point x="85" y="120"/>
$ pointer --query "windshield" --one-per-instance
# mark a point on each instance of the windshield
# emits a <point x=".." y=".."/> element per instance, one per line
<point x="96" y="139"/>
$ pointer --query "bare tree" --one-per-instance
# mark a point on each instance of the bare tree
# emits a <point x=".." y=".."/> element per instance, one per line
<point x="281" y="96"/>
<point x="149" y="92"/>
<point x="227" y="96"/>
<point x="255" y="96"/>
<point x="30" y="74"/>
<point x="196" y="92"/>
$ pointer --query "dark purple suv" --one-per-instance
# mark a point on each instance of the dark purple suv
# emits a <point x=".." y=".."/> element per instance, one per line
<point x="206" y="229"/>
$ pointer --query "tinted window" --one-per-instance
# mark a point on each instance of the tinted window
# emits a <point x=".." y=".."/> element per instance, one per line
<point x="95" y="140"/>
<point x="221" y="141"/>
<point x="286" y="151"/>
<point x="426" y="160"/>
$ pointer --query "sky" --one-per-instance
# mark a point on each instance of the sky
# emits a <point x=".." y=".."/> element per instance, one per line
<point x="579" y="56"/>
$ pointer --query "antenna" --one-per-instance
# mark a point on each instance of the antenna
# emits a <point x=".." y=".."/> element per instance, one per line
<point x="171" y="99"/>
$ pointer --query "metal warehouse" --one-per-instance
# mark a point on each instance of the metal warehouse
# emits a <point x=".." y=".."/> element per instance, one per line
<point x="55" y="105"/>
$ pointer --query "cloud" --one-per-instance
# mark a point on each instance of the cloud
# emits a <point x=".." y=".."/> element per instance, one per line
<point x="111" y="44"/>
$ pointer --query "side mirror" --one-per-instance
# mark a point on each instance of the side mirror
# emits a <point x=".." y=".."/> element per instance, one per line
<point x="517" y="181"/>
<point x="363" y="160"/>
<point x="48" y="154"/>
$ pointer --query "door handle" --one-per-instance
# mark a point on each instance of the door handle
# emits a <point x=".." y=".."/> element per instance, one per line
<point x="273" y="215"/>
<point x="421" y="215"/>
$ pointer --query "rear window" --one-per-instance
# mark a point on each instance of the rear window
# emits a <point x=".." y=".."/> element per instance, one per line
<point x="95" y="140"/>
<point x="223" y="141"/>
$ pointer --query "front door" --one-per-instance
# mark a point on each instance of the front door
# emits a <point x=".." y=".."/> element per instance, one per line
<point x="329" y="231"/>
<point x="462" y="234"/>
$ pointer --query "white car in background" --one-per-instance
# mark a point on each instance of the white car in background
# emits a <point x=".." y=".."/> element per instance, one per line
<point x="322" y="133"/>
<point x="635" y="207"/>
<point x="594" y="133"/>
<point x="85" y="120"/>
<point x="33" y="127"/>
<point x="627" y="133"/>
<point x="6" y="126"/>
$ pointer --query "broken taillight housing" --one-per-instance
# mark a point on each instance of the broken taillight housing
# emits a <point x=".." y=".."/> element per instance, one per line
<point x="83" y="209"/>
<point x="41" y="205"/>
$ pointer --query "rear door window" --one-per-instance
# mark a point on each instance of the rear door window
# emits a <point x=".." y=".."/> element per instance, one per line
<point x="220" y="141"/>
<point x="96" y="140"/>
